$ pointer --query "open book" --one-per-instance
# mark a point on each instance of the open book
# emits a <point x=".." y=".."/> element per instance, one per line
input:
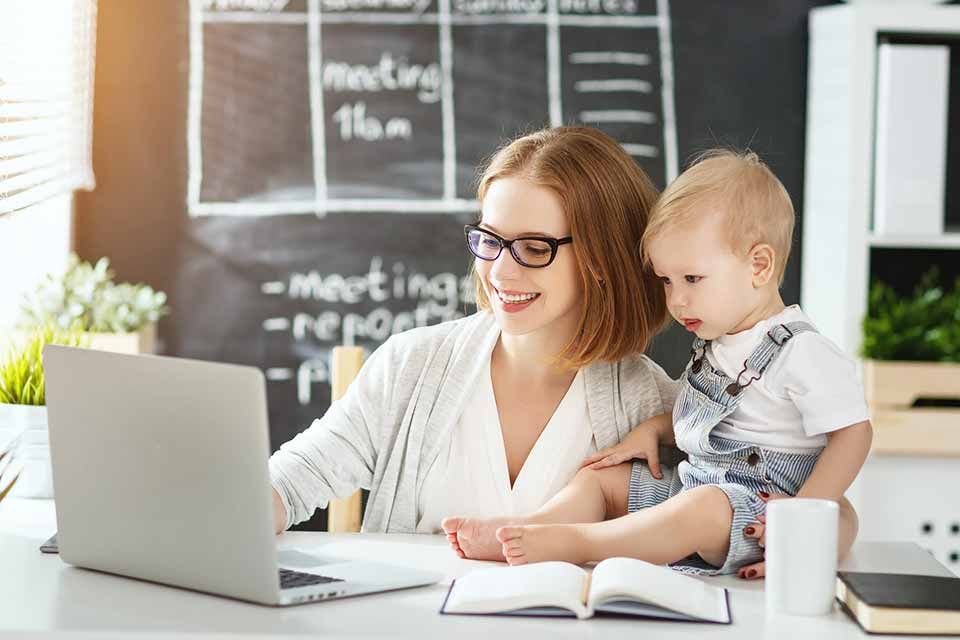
<point x="619" y="586"/>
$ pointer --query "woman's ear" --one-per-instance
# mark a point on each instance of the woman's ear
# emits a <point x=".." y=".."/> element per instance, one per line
<point x="763" y="262"/>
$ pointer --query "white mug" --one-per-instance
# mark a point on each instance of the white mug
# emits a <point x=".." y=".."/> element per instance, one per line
<point x="801" y="556"/>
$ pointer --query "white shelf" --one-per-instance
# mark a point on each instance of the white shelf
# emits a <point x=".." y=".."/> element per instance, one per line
<point x="838" y="185"/>
<point x="942" y="241"/>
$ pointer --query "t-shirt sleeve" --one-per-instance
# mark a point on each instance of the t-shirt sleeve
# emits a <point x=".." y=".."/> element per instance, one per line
<point x="822" y="382"/>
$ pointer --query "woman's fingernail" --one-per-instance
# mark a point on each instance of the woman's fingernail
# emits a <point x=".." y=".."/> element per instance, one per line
<point x="749" y="530"/>
<point x="764" y="494"/>
<point x="752" y="573"/>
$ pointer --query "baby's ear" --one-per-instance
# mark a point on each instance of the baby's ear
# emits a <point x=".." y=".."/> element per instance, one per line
<point x="763" y="262"/>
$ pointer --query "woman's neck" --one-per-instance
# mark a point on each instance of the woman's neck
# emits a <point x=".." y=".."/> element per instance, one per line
<point x="531" y="358"/>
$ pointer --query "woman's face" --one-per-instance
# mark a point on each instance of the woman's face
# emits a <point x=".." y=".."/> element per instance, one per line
<point x="526" y="300"/>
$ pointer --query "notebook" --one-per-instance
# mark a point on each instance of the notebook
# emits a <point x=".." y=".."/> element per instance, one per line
<point x="893" y="603"/>
<point x="617" y="586"/>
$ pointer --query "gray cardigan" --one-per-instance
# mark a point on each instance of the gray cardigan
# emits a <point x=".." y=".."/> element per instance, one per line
<point x="385" y="432"/>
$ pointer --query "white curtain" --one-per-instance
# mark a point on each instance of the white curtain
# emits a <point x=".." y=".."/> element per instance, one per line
<point x="46" y="99"/>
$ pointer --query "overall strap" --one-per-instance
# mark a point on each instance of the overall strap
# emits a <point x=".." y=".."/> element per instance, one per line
<point x="766" y="352"/>
<point x="773" y="342"/>
<point x="698" y="351"/>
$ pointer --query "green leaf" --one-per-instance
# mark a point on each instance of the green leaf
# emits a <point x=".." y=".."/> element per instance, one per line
<point x="22" y="379"/>
<point x="924" y="326"/>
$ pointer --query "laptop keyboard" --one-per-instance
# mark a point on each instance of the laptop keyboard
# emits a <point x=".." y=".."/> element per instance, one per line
<point x="290" y="579"/>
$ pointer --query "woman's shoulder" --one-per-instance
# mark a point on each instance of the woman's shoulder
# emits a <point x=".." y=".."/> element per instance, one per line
<point x="641" y="380"/>
<point x="640" y="367"/>
<point x="632" y="374"/>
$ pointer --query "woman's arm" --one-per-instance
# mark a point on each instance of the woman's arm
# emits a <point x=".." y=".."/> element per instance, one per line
<point x="338" y="453"/>
<point x="279" y="513"/>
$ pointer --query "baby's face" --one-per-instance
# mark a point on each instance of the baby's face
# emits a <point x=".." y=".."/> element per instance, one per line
<point x="709" y="288"/>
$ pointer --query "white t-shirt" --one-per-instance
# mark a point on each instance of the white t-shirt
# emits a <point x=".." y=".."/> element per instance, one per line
<point x="470" y="477"/>
<point x="809" y="390"/>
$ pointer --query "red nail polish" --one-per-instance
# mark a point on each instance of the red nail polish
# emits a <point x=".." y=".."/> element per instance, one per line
<point x="752" y="573"/>
<point x="764" y="495"/>
<point x="749" y="530"/>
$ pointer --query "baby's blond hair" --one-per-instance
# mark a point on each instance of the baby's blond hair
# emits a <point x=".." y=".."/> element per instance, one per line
<point x="738" y="186"/>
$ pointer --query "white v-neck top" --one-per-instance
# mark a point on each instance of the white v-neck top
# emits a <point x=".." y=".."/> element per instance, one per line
<point x="469" y="476"/>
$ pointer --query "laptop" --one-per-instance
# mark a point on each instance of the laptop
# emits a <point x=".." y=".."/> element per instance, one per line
<point x="160" y="473"/>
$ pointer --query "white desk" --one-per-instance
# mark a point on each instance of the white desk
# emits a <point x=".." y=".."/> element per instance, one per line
<point x="40" y="593"/>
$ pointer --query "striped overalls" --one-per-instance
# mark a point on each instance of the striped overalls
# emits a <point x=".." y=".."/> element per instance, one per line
<point x="739" y="469"/>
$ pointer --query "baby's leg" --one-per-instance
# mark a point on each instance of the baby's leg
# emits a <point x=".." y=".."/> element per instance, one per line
<point x="694" y="521"/>
<point x="593" y="495"/>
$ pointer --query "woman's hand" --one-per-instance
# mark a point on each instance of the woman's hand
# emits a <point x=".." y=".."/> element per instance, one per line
<point x="642" y="443"/>
<point x="847" y="526"/>
<point x="279" y="514"/>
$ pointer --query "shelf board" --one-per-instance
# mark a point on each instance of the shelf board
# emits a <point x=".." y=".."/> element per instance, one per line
<point x="906" y="241"/>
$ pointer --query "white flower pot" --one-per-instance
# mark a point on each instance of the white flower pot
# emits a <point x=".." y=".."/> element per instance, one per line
<point x="25" y="438"/>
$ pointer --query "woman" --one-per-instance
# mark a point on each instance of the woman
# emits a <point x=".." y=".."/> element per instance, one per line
<point x="494" y="413"/>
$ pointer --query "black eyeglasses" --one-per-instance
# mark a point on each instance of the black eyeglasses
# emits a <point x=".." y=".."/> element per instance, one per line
<point x="535" y="252"/>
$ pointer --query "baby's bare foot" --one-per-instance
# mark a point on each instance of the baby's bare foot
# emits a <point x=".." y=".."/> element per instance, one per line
<point x="475" y="538"/>
<point x="539" y="543"/>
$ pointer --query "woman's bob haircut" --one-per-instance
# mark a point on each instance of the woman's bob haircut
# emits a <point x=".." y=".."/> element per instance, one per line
<point x="606" y="198"/>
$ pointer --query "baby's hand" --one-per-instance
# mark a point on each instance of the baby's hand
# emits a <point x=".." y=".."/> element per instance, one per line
<point x="642" y="443"/>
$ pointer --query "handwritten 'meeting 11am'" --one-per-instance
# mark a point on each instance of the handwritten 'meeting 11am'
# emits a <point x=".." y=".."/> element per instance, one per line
<point x="388" y="74"/>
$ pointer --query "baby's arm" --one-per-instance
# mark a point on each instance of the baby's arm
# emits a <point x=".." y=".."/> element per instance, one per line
<point x="839" y="462"/>
<point x="823" y="384"/>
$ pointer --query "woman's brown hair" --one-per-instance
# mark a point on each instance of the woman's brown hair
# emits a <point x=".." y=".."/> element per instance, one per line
<point x="607" y="199"/>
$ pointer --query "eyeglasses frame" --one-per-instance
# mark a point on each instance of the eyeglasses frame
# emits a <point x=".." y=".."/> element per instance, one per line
<point x="555" y="244"/>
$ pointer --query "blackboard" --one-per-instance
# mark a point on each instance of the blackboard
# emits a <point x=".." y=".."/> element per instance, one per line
<point x="213" y="184"/>
<point x="343" y="108"/>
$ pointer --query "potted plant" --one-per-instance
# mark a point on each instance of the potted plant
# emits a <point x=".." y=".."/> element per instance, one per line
<point x="120" y="317"/>
<point x="911" y="346"/>
<point x="24" y="440"/>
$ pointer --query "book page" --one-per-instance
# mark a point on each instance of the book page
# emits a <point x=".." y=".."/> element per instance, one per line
<point x="503" y="589"/>
<point x="619" y="578"/>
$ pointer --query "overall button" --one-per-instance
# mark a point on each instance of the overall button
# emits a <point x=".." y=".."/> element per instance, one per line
<point x="753" y="459"/>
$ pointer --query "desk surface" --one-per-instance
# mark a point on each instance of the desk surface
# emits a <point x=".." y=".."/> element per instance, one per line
<point x="40" y="593"/>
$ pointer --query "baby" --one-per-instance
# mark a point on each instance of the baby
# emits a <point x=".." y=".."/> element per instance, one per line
<point x="766" y="404"/>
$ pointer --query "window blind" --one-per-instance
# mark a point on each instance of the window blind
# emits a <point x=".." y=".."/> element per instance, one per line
<point x="46" y="99"/>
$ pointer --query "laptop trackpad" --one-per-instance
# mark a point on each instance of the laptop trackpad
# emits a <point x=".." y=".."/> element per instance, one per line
<point x="293" y="559"/>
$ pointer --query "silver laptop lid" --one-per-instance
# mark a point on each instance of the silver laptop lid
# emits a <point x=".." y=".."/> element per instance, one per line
<point x="160" y="470"/>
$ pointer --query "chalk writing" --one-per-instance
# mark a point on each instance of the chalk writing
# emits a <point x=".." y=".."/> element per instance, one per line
<point x="389" y="74"/>
<point x="434" y="298"/>
<point x="478" y="7"/>
<point x="356" y="124"/>
<point x="245" y="5"/>
<point x="417" y="6"/>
